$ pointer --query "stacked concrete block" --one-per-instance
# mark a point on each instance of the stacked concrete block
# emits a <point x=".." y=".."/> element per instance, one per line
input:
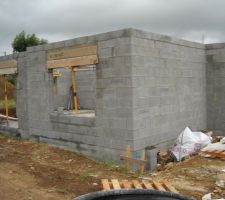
<point x="108" y="90"/>
<point x="216" y="87"/>
<point x="169" y="88"/>
<point x="22" y="97"/>
<point x="145" y="90"/>
<point x="86" y="88"/>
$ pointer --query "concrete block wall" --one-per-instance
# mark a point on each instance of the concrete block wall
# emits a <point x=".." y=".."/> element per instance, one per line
<point x="216" y="87"/>
<point x="168" y="86"/>
<point x="86" y="88"/>
<point x="146" y="89"/>
<point x="22" y="96"/>
<point x="104" y="136"/>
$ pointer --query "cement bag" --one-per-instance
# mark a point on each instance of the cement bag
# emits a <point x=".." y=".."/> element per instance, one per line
<point x="189" y="142"/>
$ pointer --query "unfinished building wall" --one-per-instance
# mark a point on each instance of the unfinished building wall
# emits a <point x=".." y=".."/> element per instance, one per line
<point x="216" y="87"/>
<point x="102" y="135"/>
<point x="22" y="97"/>
<point x="148" y="89"/>
<point x="169" y="88"/>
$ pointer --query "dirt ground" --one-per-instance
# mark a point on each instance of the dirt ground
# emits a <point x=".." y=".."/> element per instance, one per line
<point x="195" y="176"/>
<point x="39" y="172"/>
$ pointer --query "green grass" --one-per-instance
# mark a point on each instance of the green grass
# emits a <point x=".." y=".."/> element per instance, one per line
<point x="11" y="103"/>
<point x="84" y="175"/>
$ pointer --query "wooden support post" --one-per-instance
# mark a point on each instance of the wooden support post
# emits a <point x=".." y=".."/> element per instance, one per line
<point x="128" y="159"/>
<point x="6" y="100"/>
<point x="127" y="154"/>
<point x="142" y="168"/>
<point x="74" y="89"/>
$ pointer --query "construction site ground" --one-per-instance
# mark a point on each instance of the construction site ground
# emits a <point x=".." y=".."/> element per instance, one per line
<point x="40" y="172"/>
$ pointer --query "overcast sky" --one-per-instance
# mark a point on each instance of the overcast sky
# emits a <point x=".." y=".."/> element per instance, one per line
<point x="57" y="20"/>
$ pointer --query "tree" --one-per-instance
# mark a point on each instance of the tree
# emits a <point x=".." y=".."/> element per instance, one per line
<point x="23" y="40"/>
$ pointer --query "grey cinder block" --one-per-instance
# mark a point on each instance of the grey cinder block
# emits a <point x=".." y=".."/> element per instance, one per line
<point x="151" y="157"/>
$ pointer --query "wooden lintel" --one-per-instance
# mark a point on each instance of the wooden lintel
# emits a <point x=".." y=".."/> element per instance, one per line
<point x="71" y="52"/>
<point x="6" y="71"/>
<point x="8" y="64"/>
<point x="72" y="62"/>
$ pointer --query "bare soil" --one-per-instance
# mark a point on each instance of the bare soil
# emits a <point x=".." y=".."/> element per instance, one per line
<point x="39" y="172"/>
<point x="195" y="176"/>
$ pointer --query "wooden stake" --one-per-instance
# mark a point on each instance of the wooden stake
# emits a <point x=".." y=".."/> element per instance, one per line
<point x="127" y="154"/>
<point x="6" y="101"/>
<point x="142" y="168"/>
<point x="74" y="89"/>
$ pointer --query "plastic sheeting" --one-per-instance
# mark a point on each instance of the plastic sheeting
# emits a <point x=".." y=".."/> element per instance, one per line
<point x="189" y="142"/>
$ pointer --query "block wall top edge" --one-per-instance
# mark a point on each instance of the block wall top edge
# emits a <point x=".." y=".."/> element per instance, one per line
<point x="215" y="46"/>
<point x="83" y="40"/>
<point x="128" y="32"/>
<point x="165" y="38"/>
<point x="10" y="57"/>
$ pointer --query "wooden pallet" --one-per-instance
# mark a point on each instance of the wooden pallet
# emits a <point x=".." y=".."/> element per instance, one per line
<point x="136" y="184"/>
<point x="215" y="153"/>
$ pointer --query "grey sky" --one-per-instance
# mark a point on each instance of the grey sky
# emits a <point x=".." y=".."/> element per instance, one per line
<point x="63" y="19"/>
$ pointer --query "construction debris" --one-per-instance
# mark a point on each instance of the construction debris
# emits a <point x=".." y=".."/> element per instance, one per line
<point x="189" y="142"/>
<point x="215" y="149"/>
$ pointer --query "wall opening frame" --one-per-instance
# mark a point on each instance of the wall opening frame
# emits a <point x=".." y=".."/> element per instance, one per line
<point x="75" y="58"/>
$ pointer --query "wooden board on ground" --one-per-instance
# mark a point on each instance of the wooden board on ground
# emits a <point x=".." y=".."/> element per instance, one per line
<point x="215" y="153"/>
<point x="137" y="184"/>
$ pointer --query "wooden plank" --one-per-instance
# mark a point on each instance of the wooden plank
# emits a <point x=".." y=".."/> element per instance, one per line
<point x="147" y="184"/>
<point x="127" y="154"/>
<point x="136" y="184"/>
<point x="142" y="167"/>
<point x="169" y="187"/>
<point x="126" y="184"/>
<point x="8" y="64"/>
<point x="216" y="153"/>
<point x="105" y="184"/>
<point x="5" y="71"/>
<point x="10" y="118"/>
<point x="72" y="62"/>
<point x="134" y="160"/>
<point x="116" y="184"/>
<point x="158" y="186"/>
<point x="74" y="88"/>
<point x="71" y="52"/>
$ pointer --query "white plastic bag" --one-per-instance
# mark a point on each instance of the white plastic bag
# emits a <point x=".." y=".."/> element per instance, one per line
<point x="189" y="142"/>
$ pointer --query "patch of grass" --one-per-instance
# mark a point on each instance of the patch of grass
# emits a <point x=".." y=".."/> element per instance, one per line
<point x="112" y="164"/>
<point x="11" y="103"/>
<point x="61" y="190"/>
<point x="84" y="175"/>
